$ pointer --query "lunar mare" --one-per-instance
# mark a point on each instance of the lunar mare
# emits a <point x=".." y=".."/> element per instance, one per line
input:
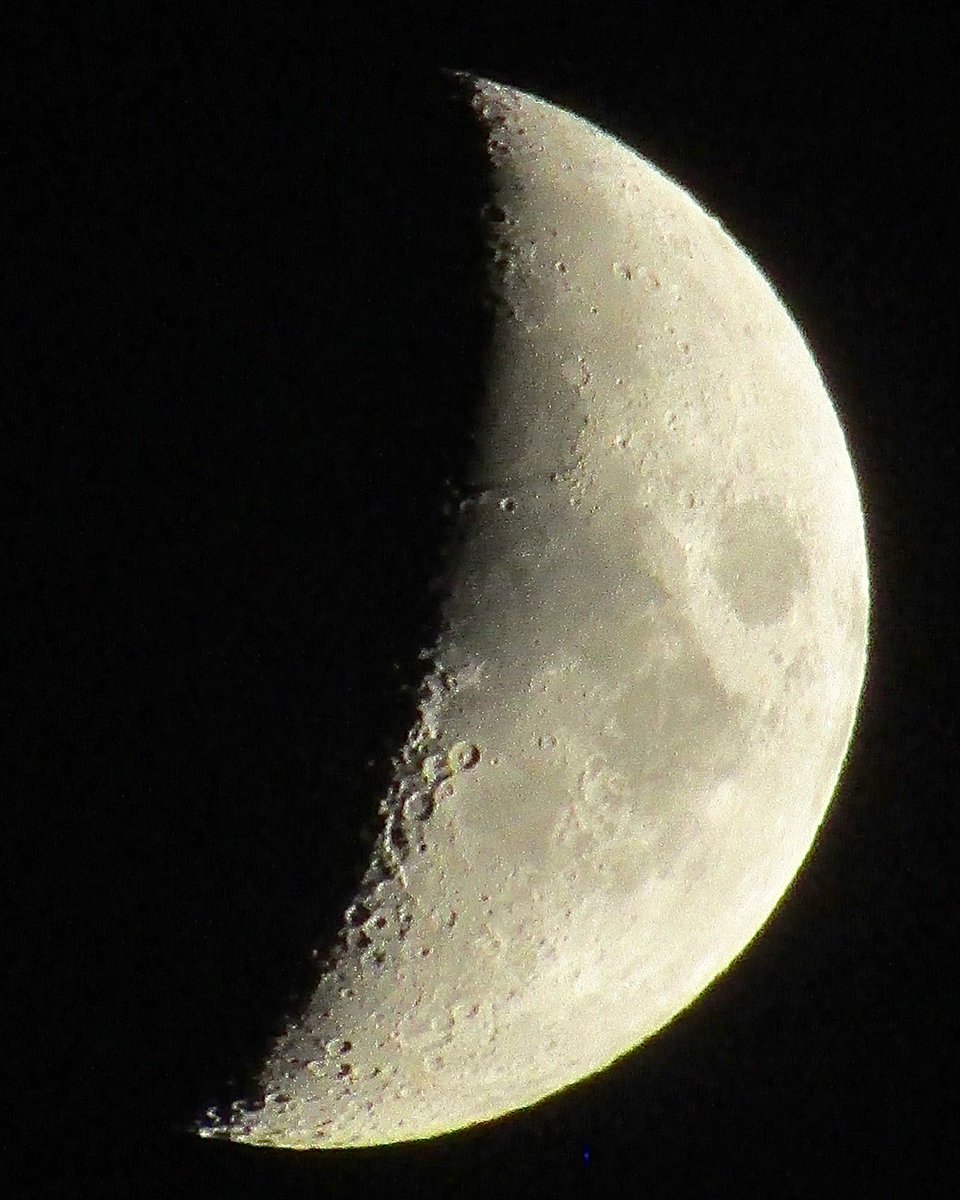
<point x="647" y="680"/>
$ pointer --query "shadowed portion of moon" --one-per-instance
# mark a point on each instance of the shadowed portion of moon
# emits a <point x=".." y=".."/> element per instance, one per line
<point x="392" y="380"/>
<point x="273" y="317"/>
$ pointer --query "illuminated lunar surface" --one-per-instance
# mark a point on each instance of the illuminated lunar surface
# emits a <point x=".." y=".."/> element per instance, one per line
<point x="652" y="654"/>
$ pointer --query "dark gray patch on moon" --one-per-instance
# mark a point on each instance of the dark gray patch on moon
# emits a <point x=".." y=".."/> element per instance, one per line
<point x="759" y="562"/>
<point x="677" y="724"/>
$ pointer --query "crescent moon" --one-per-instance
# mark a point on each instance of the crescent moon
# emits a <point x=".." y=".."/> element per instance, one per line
<point x="647" y="680"/>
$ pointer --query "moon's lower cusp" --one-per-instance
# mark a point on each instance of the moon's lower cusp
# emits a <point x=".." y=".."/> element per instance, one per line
<point x="647" y="678"/>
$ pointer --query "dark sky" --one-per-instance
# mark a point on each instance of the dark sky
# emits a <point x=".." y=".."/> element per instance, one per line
<point x="247" y="344"/>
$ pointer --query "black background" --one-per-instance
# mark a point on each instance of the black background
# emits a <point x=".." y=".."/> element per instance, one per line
<point x="246" y="346"/>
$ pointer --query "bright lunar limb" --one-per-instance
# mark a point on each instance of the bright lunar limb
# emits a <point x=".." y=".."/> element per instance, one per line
<point x="647" y="680"/>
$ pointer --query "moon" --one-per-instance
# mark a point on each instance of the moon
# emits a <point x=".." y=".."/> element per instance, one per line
<point x="652" y="652"/>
